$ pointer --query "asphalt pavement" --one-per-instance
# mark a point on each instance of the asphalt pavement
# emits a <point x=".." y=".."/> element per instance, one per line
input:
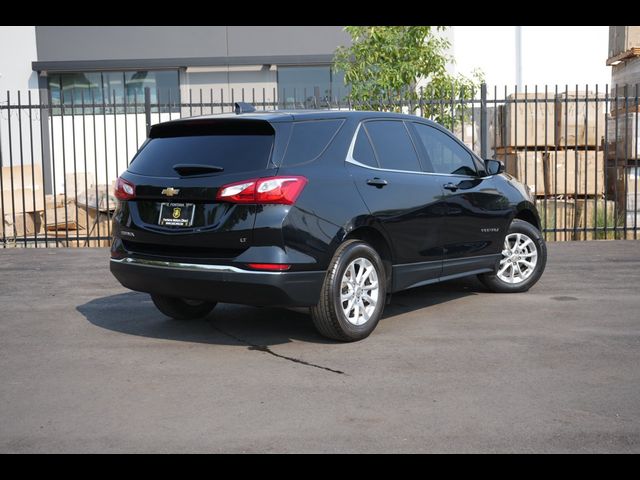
<point x="87" y="366"/>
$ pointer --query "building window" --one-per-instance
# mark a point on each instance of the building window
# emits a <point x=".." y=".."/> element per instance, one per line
<point x="114" y="91"/>
<point x="307" y="87"/>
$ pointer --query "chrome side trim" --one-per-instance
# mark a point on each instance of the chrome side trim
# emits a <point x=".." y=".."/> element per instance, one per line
<point x="192" y="267"/>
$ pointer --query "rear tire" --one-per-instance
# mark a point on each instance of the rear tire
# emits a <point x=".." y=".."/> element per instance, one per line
<point x="524" y="247"/>
<point x="353" y="294"/>
<point x="181" y="308"/>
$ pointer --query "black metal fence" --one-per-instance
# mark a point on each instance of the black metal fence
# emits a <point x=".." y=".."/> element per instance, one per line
<point x="578" y="150"/>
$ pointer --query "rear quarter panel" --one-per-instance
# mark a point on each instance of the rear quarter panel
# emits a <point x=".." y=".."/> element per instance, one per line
<point x="328" y="208"/>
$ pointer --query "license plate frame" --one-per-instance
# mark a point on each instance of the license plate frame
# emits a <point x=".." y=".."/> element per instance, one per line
<point x="176" y="214"/>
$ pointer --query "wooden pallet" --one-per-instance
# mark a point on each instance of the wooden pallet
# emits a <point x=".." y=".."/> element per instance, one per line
<point x="623" y="109"/>
<point x="580" y="148"/>
<point x="543" y="149"/>
<point x="632" y="52"/>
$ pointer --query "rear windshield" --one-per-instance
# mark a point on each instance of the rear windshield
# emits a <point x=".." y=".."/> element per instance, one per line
<point x="234" y="152"/>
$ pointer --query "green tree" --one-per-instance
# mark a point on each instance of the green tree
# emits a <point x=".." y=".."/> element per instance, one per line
<point x="387" y="63"/>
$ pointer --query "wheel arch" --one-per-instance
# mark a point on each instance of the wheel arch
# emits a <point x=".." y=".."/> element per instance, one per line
<point x="380" y="244"/>
<point x="528" y="213"/>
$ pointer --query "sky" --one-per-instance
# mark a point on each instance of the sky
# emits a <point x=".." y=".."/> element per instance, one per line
<point x="563" y="55"/>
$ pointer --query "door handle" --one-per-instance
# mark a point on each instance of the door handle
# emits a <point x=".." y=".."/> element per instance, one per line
<point x="450" y="186"/>
<point x="377" y="182"/>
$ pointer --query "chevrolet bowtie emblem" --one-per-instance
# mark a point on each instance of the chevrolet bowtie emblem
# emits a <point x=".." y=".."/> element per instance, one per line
<point x="170" y="192"/>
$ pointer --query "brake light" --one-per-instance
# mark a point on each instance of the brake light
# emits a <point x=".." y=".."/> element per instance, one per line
<point x="124" y="190"/>
<point x="271" y="267"/>
<point x="274" y="190"/>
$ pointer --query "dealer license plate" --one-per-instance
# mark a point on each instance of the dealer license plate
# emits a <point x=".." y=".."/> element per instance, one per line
<point x="176" y="214"/>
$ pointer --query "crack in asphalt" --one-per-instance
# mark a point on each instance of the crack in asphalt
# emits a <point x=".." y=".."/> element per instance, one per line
<point x="265" y="349"/>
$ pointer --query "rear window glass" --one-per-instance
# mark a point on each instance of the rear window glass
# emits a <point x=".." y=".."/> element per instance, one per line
<point x="309" y="139"/>
<point x="393" y="145"/>
<point x="362" y="150"/>
<point x="234" y="153"/>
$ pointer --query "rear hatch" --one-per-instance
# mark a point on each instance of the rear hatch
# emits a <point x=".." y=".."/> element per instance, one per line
<point x="177" y="174"/>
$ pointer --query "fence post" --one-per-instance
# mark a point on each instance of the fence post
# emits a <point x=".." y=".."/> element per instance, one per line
<point x="147" y="109"/>
<point x="484" y="130"/>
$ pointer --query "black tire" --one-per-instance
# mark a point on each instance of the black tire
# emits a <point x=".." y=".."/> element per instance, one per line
<point x="496" y="284"/>
<point x="328" y="316"/>
<point x="182" y="309"/>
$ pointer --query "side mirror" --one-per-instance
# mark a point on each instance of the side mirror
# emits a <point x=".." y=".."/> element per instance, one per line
<point x="494" y="167"/>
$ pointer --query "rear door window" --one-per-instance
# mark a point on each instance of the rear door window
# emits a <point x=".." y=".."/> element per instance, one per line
<point x="393" y="146"/>
<point x="363" y="151"/>
<point x="309" y="139"/>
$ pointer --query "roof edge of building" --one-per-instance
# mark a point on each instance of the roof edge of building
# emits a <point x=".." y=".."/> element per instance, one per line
<point x="160" y="63"/>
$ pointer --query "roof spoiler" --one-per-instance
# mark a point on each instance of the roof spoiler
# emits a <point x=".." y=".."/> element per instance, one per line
<point x="242" y="107"/>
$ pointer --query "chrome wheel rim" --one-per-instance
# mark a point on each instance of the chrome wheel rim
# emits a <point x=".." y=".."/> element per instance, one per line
<point x="359" y="291"/>
<point x="519" y="258"/>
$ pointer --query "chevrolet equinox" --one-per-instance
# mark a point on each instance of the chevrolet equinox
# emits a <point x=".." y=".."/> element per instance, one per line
<point x="331" y="210"/>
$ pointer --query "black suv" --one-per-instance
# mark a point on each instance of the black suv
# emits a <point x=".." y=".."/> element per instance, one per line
<point x="331" y="210"/>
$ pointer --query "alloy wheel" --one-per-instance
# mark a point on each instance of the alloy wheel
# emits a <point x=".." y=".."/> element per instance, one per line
<point x="519" y="258"/>
<point x="359" y="291"/>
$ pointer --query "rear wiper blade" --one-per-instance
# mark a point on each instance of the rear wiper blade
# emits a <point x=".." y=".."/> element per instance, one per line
<point x="196" y="168"/>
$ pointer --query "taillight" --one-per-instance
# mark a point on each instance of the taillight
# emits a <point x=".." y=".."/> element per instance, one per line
<point x="124" y="190"/>
<point x="278" y="190"/>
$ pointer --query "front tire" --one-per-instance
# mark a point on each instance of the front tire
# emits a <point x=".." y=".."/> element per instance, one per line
<point x="353" y="294"/>
<point x="524" y="257"/>
<point x="182" y="308"/>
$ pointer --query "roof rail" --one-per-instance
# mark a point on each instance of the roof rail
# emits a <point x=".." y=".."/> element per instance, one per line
<point x="242" y="107"/>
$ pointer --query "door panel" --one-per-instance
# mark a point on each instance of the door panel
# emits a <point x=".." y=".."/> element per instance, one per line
<point x="409" y="206"/>
<point x="477" y="213"/>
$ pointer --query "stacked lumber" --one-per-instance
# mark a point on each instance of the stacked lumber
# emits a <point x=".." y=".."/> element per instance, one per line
<point x="623" y="124"/>
<point x="553" y="144"/>
<point x="624" y="43"/>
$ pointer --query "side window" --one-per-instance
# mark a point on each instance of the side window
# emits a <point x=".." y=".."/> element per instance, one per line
<point x="392" y="145"/>
<point x="445" y="154"/>
<point x="309" y="139"/>
<point x="362" y="150"/>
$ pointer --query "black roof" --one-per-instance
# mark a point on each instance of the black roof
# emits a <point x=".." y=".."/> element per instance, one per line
<point x="295" y="115"/>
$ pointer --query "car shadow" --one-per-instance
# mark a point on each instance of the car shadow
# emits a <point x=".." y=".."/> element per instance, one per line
<point x="430" y="295"/>
<point x="133" y="313"/>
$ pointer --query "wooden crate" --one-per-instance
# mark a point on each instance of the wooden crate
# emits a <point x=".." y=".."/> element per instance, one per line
<point x="527" y="166"/>
<point x="623" y="136"/>
<point x="623" y="181"/>
<point x="577" y="119"/>
<point x="52" y="201"/>
<point x="28" y="224"/>
<point x="624" y="78"/>
<point x="23" y="186"/>
<point x="526" y="120"/>
<point x="7" y="230"/>
<point x="575" y="172"/>
<point x="62" y="218"/>
<point x="623" y="41"/>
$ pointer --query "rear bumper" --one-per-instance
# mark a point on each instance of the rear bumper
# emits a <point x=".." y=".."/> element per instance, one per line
<point x="221" y="283"/>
